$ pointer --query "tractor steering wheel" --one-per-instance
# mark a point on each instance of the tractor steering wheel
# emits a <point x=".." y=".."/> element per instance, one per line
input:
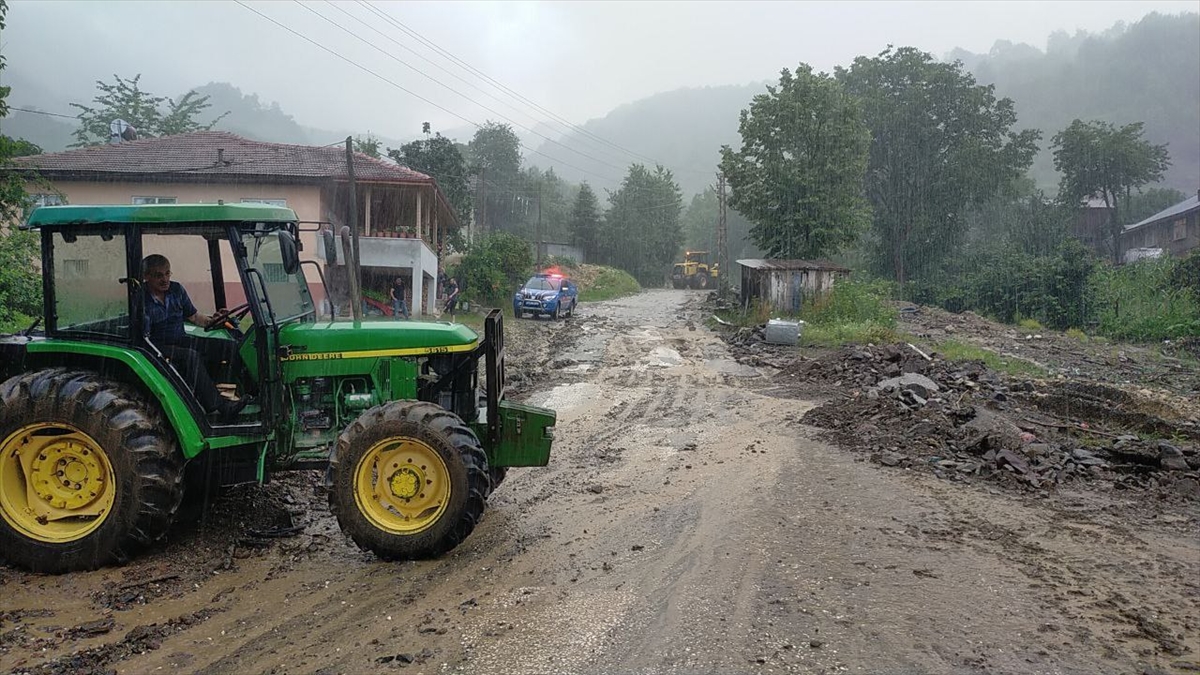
<point x="228" y="319"/>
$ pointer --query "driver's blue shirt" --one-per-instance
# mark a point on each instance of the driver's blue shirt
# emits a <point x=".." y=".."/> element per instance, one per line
<point x="164" y="320"/>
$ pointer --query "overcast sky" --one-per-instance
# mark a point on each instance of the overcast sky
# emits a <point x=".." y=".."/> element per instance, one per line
<point x="578" y="59"/>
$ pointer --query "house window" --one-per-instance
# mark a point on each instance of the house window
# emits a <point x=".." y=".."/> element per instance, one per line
<point x="272" y="202"/>
<point x="274" y="273"/>
<point x="1180" y="230"/>
<point x="154" y="200"/>
<point x="75" y="269"/>
<point x="36" y="201"/>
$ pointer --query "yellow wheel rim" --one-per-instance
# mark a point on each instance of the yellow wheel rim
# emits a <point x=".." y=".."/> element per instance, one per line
<point x="402" y="485"/>
<point x="56" y="483"/>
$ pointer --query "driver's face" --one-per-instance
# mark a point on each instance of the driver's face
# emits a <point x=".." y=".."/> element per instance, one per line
<point x="159" y="280"/>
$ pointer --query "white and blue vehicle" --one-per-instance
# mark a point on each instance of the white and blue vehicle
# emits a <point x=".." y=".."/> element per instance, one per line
<point x="546" y="293"/>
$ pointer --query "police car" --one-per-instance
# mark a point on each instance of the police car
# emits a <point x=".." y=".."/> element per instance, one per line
<point x="546" y="293"/>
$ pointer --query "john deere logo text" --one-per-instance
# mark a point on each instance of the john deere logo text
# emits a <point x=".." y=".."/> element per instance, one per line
<point x="319" y="356"/>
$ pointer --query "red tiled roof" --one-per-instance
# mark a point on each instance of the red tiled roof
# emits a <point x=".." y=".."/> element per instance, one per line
<point x="196" y="154"/>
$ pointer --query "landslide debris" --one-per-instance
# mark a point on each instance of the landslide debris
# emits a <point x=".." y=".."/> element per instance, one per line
<point x="908" y="407"/>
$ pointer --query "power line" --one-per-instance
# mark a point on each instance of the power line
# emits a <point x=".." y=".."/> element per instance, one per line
<point x="455" y="91"/>
<point x="43" y="112"/>
<point x="497" y="84"/>
<point x="445" y="70"/>
<point x="405" y="89"/>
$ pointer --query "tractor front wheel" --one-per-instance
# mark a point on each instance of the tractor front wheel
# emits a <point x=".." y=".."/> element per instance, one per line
<point x="88" y="471"/>
<point x="410" y="480"/>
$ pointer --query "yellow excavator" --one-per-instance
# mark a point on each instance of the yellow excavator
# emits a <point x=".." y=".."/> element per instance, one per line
<point x="695" y="271"/>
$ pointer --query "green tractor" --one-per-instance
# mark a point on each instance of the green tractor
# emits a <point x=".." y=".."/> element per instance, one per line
<point x="98" y="428"/>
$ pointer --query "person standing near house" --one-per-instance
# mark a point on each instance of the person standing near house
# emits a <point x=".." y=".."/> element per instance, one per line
<point x="399" y="307"/>
<point x="451" y="296"/>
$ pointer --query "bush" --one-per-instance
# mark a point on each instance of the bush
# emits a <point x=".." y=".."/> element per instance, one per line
<point x="1009" y="285"/>
<point x="853" y="302"/>
<point x="852" y="311"/>
<point x="493" y="268"/>
<point x="1142" y="301"/>
<point x="20" y="278"/>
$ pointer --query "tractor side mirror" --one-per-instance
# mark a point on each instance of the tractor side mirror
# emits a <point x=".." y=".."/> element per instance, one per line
<point x="289" y="253"/>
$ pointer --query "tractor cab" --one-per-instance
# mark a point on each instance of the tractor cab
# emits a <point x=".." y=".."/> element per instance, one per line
<point x="102" y="412"/>
<point x="239" y="258"/>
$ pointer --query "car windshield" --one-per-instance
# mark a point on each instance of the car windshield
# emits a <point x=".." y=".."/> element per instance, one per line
<point x="542" y="284"/>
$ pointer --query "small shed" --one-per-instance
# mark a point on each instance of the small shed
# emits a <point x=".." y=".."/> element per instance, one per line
<point x="786" y="284"/>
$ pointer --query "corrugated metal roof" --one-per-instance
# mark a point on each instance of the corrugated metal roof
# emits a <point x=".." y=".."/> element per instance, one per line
<point x="195" y="154"/>
<point x="760" y="264"/>
<point x="1179" y="209"/>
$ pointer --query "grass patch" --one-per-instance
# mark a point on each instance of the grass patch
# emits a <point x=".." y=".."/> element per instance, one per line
<point x="953" y="350"/>
<point x="1076" y="334"/>
<point x="607" y="283"/>
<point x="1031" y="324"/>
<point x="838" y="334"/>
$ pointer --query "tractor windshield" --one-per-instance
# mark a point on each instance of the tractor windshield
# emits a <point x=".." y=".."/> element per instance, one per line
<point x="90" y="295"/>
<point x="288" y="293"/>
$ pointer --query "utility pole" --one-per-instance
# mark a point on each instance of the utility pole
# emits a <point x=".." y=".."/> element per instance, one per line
<point x="722" y="238"/>
<point x="539" y="226"/>
<point x="482" y="196"/>
<point x="355" y="278"/>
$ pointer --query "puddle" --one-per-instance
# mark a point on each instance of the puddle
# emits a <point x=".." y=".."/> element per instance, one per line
<point x="567" y="396"/>
<point x="730" y="367"/>
<point x="664" y="357"/>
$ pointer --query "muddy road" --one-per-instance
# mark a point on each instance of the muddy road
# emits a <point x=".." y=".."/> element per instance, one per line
<point x="688" y="523"/>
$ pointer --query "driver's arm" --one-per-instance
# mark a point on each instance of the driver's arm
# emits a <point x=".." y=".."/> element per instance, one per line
<point x="199" y="319"/>
<point x="191" y="314"/>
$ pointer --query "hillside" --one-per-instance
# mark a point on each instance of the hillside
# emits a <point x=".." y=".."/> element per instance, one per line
<point x="683" y="129"/>
<point x="1148" y="71"/>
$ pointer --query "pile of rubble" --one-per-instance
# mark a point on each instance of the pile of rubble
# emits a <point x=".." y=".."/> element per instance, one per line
<point x="960" y="420"/>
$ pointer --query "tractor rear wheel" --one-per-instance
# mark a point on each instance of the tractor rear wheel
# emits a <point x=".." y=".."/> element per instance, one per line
<point x="410" y="480"/>
<point x="700" y="281"/>
<point x="89" y="472"/>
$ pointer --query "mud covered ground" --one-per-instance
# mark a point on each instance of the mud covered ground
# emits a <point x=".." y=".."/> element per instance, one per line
<point x="693" y="519"/>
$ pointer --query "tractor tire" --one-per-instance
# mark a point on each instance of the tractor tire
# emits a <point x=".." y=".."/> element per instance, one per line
<point x="678" y="284"/>
<point x="98" y="459"/>
<point x="436" y="490"/>
<point x="497" y="474"/>
<point x="700" y="281"/>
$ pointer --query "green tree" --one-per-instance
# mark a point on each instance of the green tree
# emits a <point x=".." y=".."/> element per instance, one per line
<point x="585" y="221"/>
<point x="495" y="156"/>
<point x="367" y="145"/>
<point x="440" y="158"/>
<point x="799" y="173"/>
<point x="20" y="280"/>
<point x="939" y="142"/>
<point x="1141" y="205"/>
<point x="493" y="267"/>
<point x="1098" y="159"/>
<point x="150" y="115"/>
<point x="642" y="232"/>
<point x="700" y="220"/>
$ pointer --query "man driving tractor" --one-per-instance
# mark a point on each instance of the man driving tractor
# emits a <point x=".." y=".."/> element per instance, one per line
<point x="167" y="306"/>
